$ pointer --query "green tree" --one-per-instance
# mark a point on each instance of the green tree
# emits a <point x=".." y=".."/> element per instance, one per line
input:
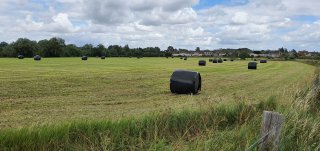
<point x="293" y="54"/>
<point x="170" y="49"/>
<point x="8" y="51"/>
<point x="24" y="46"/>
<point x="3" y="44"/>
<point x="127" y="50"/>
<point x="86" y="50"/>
<point x="243" y="55"/>
<point x="53" y="47"/>
<point x="71" y="50"/>
<point x="198" y="49"/>
<point x="115" y="50"/>
<point x="99" y="50"/>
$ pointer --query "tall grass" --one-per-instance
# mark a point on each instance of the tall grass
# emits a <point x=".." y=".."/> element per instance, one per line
<point x="221" y="128"/>
<point x="161" y="130"/>
<point x="302" y="129"/>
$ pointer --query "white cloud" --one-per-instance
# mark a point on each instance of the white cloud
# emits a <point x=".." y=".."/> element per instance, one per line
<point x="240" y="18"/>
<point x="61" y="23"/>
<point x="256" y="24"/>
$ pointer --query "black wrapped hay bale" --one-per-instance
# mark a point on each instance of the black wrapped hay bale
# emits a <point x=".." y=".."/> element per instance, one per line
<point x="215" y="61"/>
<point x="181" y="58"/>
<point x="231" y="60"/>
<point x="210" y="60"/>
<point x="252" y="65"/>
<point x="263" y="61"/>
<point x="225" y="60"/>
<point x="37" y="58"/>
<point x="202" y="63"/>
<point x="103" y="57"/>
<point x="20" y="56"/>
<point x="254" y="59"/>
<point x="185" y="82"/>
<point x="220" y="60"/>
<point x="84" y="58"/>
<point x="185" y="58"/>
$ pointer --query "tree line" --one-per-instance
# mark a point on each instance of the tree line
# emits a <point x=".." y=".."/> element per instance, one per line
<point x="56" y="47"/>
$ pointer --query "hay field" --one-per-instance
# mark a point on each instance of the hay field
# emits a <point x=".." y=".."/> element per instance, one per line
<point x="56" y="90"/>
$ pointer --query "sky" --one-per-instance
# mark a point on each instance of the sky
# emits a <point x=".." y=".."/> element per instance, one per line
<point x="208" y="24"/>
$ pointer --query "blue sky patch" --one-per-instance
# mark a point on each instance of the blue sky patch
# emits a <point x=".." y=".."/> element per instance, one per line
<point x="203" y="4"/>
<point x="305" y="18"/>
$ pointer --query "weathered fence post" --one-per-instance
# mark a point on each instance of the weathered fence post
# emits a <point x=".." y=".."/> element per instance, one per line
<point x="271" y="130"/>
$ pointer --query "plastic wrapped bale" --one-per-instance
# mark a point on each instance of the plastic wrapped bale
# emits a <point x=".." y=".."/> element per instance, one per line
<point x="185" y="58"/>
<point x="252" y="65"/>
<point x="210" y="60"/>
<point x="84" y="58"/>
<point x="231" y="60"/>
<point x="220" y="60"/>
<point x="181" y="58"/>
<point x="225" y="60"/>
<point x="103" y="57"/>
<point x="263" y="61"/>
<point x="20" y="56"/>
<point x="254" y="59"/>
<point x="215" y="61"/>
<point x="185" y="82"/>
<point x="37" y="58"/>
<point x="202" y="63"/>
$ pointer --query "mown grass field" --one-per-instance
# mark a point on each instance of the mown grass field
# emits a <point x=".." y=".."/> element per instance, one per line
<point x="60" y="90"/>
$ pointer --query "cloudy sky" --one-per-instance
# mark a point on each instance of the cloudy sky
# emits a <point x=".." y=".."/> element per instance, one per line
<point x="209" y="24"/>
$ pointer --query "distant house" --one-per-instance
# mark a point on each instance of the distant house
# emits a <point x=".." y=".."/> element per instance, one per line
<point x="219" y="54"/>
<point x="190" y="54"/>
<point x="208" y="53"/>
<point x="196" y="54"/>
<point x="181" y="55"/>
<point x="272" y="54"/>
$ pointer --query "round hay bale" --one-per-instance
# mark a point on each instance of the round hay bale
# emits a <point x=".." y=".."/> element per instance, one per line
<point x="252" y="65"/>
<point x="220" y="60"/>
<point x="202" y="63"/>
<point x="103" y="57"/>
<point x="20" y="57"/>
<point x="225" y="59"/>
<point x="185" y="82"/>
<point x="84" y="58"/>
<point x="185" y="58"/>
<point x="215" y="61"/>
<point x="254" y="59"/>
<point x="210" y="60"/>
<point x="37" y="58"/>
<point x="231" y="60"/>
<point x="181" y="58"/>
<point x="263" y="61"/>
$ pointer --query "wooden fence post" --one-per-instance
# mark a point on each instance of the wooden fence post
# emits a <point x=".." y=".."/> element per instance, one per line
<point x="271" y="129"/>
